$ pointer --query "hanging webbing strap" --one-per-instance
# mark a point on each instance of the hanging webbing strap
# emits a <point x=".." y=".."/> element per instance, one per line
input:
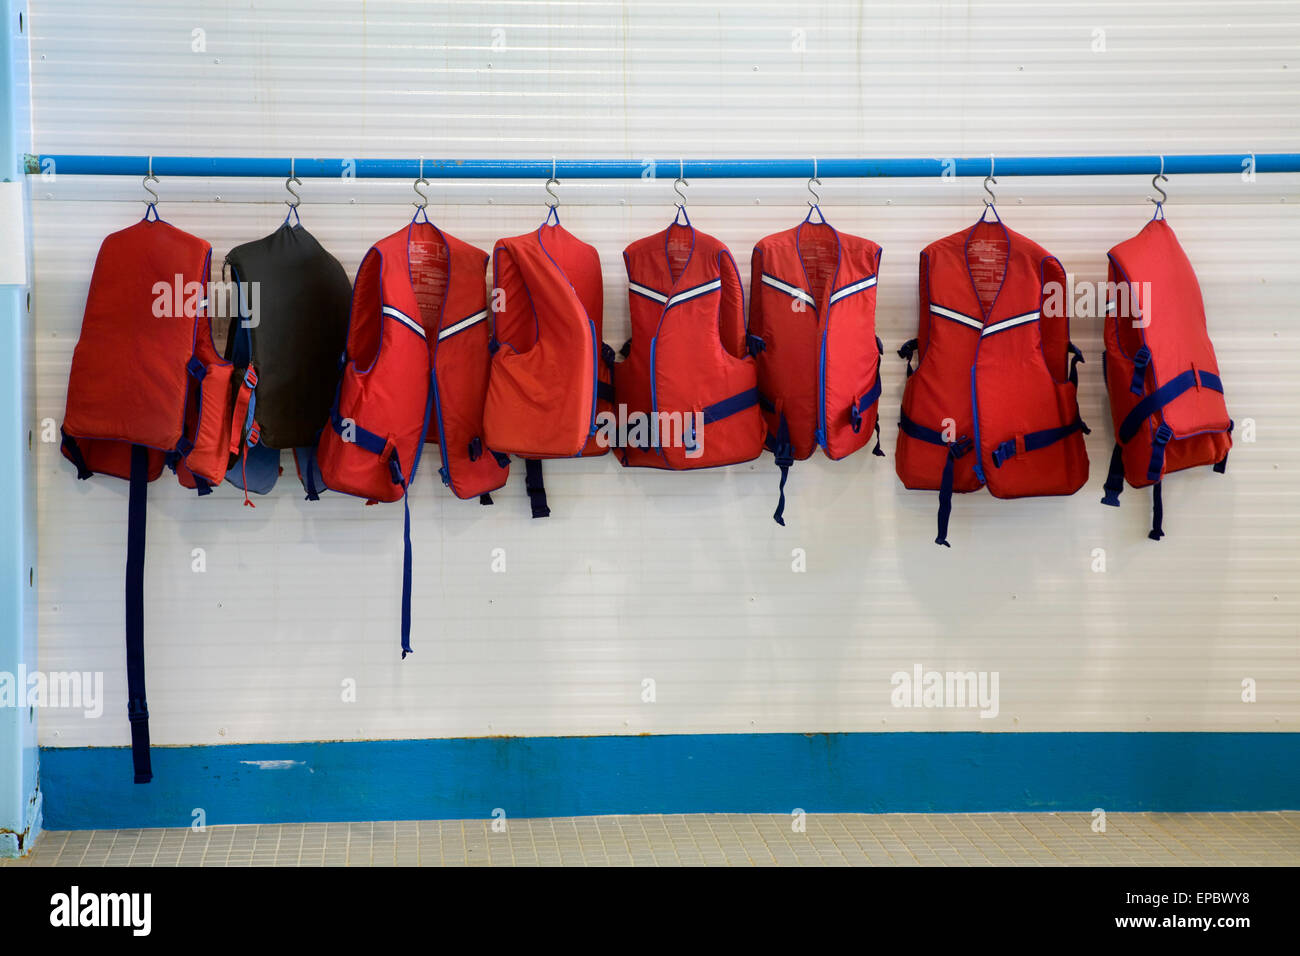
<point x="1115" y="478"/>
<point x="137" y="706"/>
<point x="1076" y="359"/>
<point x="1033" y="441"/>
<point x="906" y="353"/>
<point x="70" y="448"/>
<point x="783" y="452"/>
<point x="536" y="488"/>
<point x="387" y="452"/>
<point x="956" y="449"/>
<point x="1157" y="514"/>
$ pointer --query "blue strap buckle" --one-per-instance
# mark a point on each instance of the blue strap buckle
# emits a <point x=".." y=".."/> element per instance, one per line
<point x="1140" y="362"/>
<point x="445" y="475"/>
<point x="137" y="709"/>
<point x="1003" y="452"/>
<point x="1163" y="434"/>
<point x="961" y="446"/>
<point x="855" y="417"/>
<point x="754" y="344"/>
<point x="196" y="369"/>
<point x="784" y="455"/>
<point x="475" y="448"/>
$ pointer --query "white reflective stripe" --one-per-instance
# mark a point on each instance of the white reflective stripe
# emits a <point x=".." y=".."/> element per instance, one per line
<point x="405" y="319"/>
<point x="957" y="316"/>
<point x="647" y="292"/>
<point x="788" y="289"/>
<point x="692" y="293"/>
<point x="850" y="289"/>
<point x="1010" y="323"/>
<point x="463" y="324"/>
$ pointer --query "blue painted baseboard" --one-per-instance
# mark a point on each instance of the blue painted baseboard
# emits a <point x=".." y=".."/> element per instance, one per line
<point x="468" y="778"/>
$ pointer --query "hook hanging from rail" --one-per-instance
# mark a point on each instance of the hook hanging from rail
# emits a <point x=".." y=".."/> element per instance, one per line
<point x="288" y="184"/>
<point x="681" y="196"/>
<point x="423" y="204"/>
<point x="151" y="205"/>
<point x="1155" y="184"/>
<point x="815" y="204"/>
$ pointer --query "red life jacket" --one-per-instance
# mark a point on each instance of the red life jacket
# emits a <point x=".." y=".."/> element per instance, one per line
<point x="415" y="369"/>
<point x="687" y="375"/>
<point x="1166" y="397"/>
<point x="994" y="374"/>
<point x="812" y="325"/>
<point x="550" y="374"/>
<point x="147" y="389"/>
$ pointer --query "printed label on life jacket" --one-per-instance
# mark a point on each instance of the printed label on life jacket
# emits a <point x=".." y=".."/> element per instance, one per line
<point x="429" y="271"/>
<point x="987" y="260"/>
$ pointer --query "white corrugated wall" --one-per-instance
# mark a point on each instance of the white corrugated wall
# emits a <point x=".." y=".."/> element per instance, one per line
<point x="683" y="578"/>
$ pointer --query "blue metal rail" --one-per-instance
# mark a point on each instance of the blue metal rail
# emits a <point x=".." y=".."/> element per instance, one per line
<point x="918" y="168"/>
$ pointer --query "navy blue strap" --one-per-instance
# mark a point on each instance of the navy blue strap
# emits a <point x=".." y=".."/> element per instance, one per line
<point x="876" y="451"/>
<point x="956" y="449"/>
<point x="1156" y="467"/>
<point x="783" y="452"/>
<point x="362" y="438"/>
<point x="1115" y="478"/>
<point x="862" y="404"/>
<point x="1140" y="362"/>
<point x="607" y="355"/>
<point x="406" y="571"/>
<point x="1157" y="514"/>
<point x="201" y="486"/>
<point x="137" y="706"/>
<point x="605" y="391"/>
<point x="1161" y="397"/>
<point x="730" y="406"/>
<point x="906" y="353"/>
<point x="503" y="461"/>
<point x="73" y="452"/>
<point x="309" y="478"/>
<point x="485" y="499"/>
<point x="1036" y="440"/>
<point x="536" y="488"/>
<point x="626" y="350"/>
<point x="1076" y="359"/>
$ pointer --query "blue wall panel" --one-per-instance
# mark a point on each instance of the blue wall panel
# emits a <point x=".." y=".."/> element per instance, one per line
<point x="570" y="776"/>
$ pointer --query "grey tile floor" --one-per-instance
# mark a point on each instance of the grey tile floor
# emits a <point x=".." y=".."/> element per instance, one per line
<point x="840" y="839"/>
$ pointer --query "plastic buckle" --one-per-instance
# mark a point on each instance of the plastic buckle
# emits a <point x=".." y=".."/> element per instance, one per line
<point x="784" y="455"/>
<point x="137" y="709"/>
<point x="254" y="435"/>
<point x="754" y="344"/>
<point x="1004" y="451"/>
<point x="1163" y="434"/>
<point x="184" y="446"/>
<point x="475" y="448"/>
<point x="445" y="475"/>
<point x="250" y="377"/>
<point x="493" y="345"/>
<point x="196" y="369"/>
<point x="855" y="417"/>
<point x="961" y="446"/>
<point x="1142" y="358"/>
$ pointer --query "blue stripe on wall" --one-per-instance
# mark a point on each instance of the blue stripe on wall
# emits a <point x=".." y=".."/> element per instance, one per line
<point x="572" y="776"/>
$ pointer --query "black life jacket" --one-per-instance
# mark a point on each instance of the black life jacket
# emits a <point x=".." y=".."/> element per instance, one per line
<point x="292" y="328"/>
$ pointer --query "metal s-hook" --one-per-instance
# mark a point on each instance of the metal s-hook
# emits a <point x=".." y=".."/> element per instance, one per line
<point x="150" y="204"/>
<point x="288" y="184"/>
<point x="1155" y="184"/>
<point x="991" y="200"/>
<point x="555" y="199"/>
<point x="424" y="196"/>
<point x="816" y="200"/>
<point x="679" y="183"/>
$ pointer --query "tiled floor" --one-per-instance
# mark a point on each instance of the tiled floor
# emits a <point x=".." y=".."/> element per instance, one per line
<point x="1046" y="839"/>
